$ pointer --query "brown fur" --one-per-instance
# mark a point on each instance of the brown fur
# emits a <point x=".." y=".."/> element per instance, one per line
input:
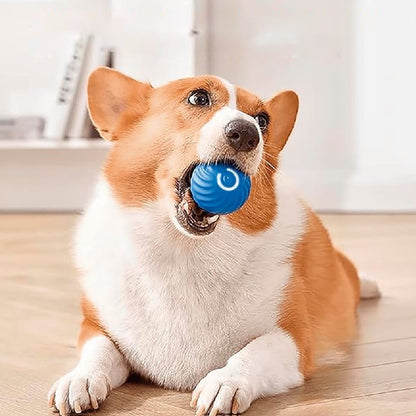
<point x="258" y="213"/>
<point x="90" y="326"/>
<point x="115" y="101"/>
<point x="321" y="298"/>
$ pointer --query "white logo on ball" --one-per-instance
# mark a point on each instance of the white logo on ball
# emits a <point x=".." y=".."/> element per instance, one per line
<point x="228" y="188"/>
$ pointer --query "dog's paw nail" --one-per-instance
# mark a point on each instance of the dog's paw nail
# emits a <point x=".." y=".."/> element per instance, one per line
<point x="194" y="399"/>
<point x="77" y="407"/>
<point x="200" y="411"/>
<point x="213" y="412"/>
<point x="62" y="411"/>
<point x="94" y="402"/>
<point x="234" y="408"/>
<point x="51" y="401"/>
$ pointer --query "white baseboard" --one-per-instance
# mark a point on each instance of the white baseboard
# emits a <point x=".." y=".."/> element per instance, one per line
<point x="358" y="194"/>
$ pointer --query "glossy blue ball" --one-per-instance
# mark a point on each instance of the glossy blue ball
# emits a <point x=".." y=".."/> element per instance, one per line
<point x="219" y="188"/>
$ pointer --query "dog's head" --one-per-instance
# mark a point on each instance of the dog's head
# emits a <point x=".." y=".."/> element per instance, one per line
<point x="160" y="134"/>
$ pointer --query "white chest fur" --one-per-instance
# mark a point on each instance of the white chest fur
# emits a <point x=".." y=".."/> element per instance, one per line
<point x="179" y="307"/>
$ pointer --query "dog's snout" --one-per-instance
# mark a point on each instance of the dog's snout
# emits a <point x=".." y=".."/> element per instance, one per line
<point x="242" y="135"/>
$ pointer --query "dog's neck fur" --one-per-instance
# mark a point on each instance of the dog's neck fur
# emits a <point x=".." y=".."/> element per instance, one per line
<point x="160" y="245"/>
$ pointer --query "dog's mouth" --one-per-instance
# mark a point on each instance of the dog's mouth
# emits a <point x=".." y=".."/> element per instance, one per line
<point x="189" y="214"/>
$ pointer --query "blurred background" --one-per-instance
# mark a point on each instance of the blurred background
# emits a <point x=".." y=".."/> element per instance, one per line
<point x="352" y="63"/>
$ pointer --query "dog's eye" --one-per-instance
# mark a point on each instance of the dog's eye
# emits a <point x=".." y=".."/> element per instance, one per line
<point x="199" y="98"/>
<point x="262" y="120"/>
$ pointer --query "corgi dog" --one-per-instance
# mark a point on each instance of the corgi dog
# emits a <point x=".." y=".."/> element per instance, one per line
<point x="232" y="307"/>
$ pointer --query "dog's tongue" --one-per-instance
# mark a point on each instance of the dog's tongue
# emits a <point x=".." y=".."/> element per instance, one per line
<point x="197" y="212"/>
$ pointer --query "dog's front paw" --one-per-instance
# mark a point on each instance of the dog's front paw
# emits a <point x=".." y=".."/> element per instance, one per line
<point x="76" y="392"/>
<point x="222" y="392"/>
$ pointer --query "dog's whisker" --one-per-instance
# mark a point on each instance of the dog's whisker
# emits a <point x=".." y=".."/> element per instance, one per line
<point x="270" y="165"/>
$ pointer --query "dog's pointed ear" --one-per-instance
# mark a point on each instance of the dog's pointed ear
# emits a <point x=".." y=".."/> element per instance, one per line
<point x="282" y="109"/>
<point x="115" y="101"/>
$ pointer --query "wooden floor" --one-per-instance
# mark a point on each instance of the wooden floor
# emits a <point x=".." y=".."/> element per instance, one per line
<point x="39" y="319"/>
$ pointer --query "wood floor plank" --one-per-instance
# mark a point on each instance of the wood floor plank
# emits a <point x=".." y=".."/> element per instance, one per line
<point x="396" y="403"/>
<point x="39" y="320"/>
<point x="380" y="353"/>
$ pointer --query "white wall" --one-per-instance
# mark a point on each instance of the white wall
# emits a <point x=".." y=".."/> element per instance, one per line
<point x="384" y="102"/>
<point x="352" y="64"/>
<point x="152" y="40"/>
<point x="33" y="37"/>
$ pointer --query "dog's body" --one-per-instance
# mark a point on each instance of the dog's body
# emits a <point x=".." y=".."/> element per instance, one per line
<point x="240" y="312"/>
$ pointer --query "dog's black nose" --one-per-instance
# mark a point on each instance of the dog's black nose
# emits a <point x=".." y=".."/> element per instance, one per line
<point x="242" y="135"/>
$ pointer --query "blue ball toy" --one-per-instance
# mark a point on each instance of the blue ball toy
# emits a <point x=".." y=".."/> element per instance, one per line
<point x="219" y="188"/>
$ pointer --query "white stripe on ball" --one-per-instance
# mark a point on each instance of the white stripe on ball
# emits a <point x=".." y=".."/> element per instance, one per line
<point x="230" y="188"/>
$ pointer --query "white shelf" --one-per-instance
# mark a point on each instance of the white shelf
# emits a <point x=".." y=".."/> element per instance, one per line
<point x="48" y="175"/>
<point x="16" y="144"/>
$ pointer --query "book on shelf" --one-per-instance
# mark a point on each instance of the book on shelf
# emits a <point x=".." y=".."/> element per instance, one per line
<point x="70" y="119"/>
<point x="57" y="122"/>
